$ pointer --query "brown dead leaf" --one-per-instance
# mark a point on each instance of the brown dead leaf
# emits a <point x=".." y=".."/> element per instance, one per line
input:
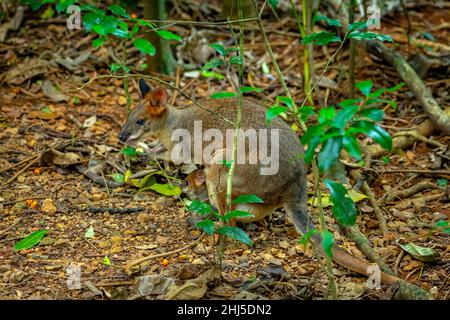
<point x="25" y="70"/>
<point x="193" y="289"/>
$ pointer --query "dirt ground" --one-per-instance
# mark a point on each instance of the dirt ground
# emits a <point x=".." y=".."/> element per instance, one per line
<point x="58" y="197"/>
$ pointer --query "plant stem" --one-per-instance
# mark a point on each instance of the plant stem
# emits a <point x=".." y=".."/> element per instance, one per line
<point x="351" y="71"/>
<point x="323" y="227"/>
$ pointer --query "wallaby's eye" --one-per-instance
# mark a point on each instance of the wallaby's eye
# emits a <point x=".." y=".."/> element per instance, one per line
<point x="140" y="122"/>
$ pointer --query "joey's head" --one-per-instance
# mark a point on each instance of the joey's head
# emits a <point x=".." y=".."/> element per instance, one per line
<point x="149" y="115"/>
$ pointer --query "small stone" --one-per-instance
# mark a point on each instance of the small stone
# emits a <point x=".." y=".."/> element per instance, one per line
<point x="17" y="276"/>
<point x="20" y="179"/>
<point x="122" y="100"/>
<point x="291" y="252"/>
<point x="48" y="206"/>
<point x="143" y="218"/>
<point x="198" y="261"/>
<point x="201" y="249"/>
<point x="161" y="240"/>
<point x="284" y="244"/>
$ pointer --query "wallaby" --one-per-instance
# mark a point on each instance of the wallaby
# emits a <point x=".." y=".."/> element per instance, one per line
<point x="285" y="188"/>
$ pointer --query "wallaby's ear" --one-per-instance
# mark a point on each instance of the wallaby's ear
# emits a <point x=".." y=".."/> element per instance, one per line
<point x="143" y="87"/>
<point x="157" y="99"/>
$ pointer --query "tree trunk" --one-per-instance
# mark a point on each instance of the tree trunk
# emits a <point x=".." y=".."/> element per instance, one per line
<point x="163" y="60"/>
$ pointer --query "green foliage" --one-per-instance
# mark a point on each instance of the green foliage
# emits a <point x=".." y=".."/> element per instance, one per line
<point x="329" y="21"/>
<point x="344" y="209"/>
<point x="327" y="243"/>
<point x="305" y="238"/>
<point x="442" y="182"/>
<point x="273" y="112"/>
<point x="168" y="35"/>
<point x="144" y="46"/>
<point x="338" y="128"/>
<point x="235" y="233"/>
<point x="247" y="198"/>
<point x="321" y="38"/>
<point x="223" y="94"/>
<point x="31" y="240"/>
<point x="208" y="225"/>
<point x="273" y="3"/>
<point x="444" y="225"/>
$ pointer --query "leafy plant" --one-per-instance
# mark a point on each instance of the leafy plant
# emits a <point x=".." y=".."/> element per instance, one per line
<point x="31" y="240"/>
<point x="209" y="213"/>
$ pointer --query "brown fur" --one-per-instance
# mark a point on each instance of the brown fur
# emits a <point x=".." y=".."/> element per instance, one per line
<point x="287" y="188"/>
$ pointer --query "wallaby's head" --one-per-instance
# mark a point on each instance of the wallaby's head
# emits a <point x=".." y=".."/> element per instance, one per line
<point x="149" y="114"/>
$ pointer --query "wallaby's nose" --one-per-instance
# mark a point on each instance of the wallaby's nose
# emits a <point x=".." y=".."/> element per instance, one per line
<point x="123" y="136"/>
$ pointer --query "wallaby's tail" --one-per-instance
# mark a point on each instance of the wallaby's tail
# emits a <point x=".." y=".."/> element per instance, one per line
<point x="298" y="212"/>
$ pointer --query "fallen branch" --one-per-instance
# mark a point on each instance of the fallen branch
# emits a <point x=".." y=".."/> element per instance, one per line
<point x="425" y="129"/>
<point x="159" y="255"/>
<point x="411" y="191"/>
<point x="407" y="73"/>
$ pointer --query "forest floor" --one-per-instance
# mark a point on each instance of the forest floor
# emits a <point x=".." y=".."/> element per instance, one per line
<point x="42" y="189"/>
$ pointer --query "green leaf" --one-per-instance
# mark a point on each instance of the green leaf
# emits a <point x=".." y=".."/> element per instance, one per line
<point x="327" y="243"/>
<point x="344" y="116"/>
<point x="91" y="19"/>
<point x="218" y="47"/>
<point x="129" y="151"/>
<point x="245" y="89"/>
<point x="118" y="10"/>
<point x="235" y="233"/>
<point x="118" y="177"/>
<point x="106" y="261"/>
<point x="352" y="146"/>
<point x="442" y="182"/>
<point x="356" y="26"/>
<point x="273" y="3"/>
<point x="364" y="86"/>
<point x="210" y="74"/>
<point x="200" y="207"/>
<point x="377" y="133"/>
<point x="306" y="112"/>
<point x="374" y="114"/>
<point x="344" y="209"/>
<point x="236" y="60"/>
<point x="273" y="112"/>
<point x="321" y="38"/>
<point x="286" y="100"/>
<point x="326" y="114"/>
<point x="62" y="5"/>
<point x="305" y="238"/>
<point x="396" y="88"/>
<point x="247" y="198"/>
<point x="312" y="132"/>
<point x="235" y="214"/>
<point x="147" y="182"/>
<point x="349" y="102"/>
<point x="329" y="153"/>
<point x="420" y="253"/>
<point x="443" y="224"/>
<point x="166" y="189"/>
<point x="145" y="23"/>
<point x="89" y="232"/>
<point x="168" y="35"/>
<point x="213" y="63"/>
<point x="144" y="46"/>
<point x="98" y="42"/>
<point x="206" y="225"/>
<point x="31" y="240"/>
<point x="329" y="21"/>
<point x="358" y="35"/>
<point x="223" y="94"/>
